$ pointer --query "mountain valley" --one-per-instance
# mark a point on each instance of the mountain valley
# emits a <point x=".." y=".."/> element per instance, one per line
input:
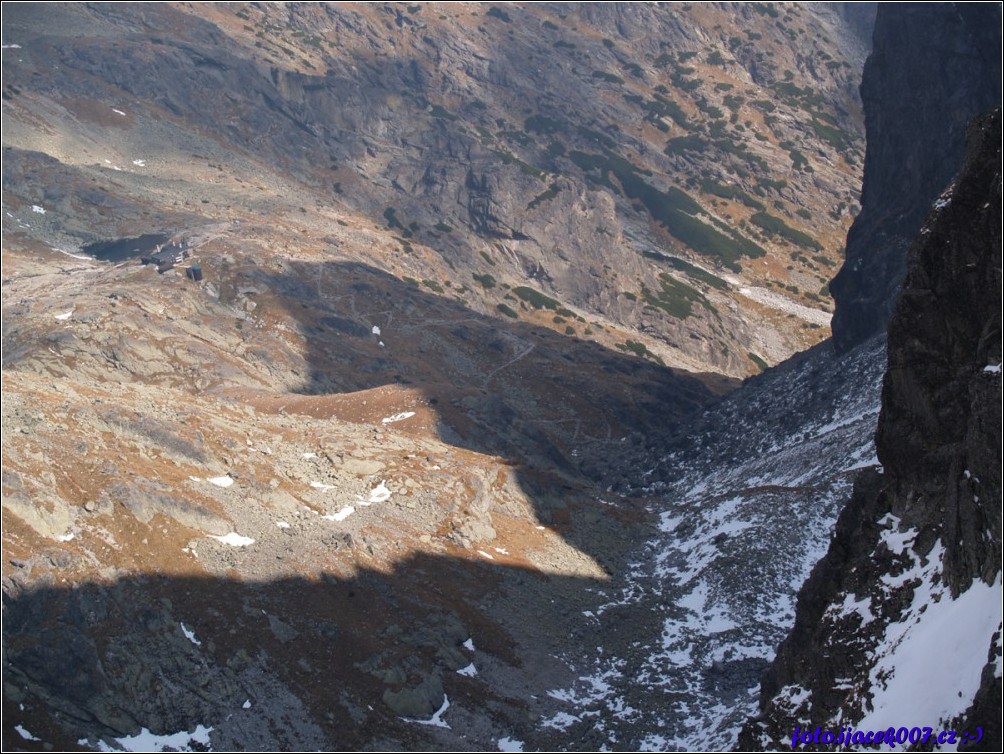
<point x="482" y="396"/>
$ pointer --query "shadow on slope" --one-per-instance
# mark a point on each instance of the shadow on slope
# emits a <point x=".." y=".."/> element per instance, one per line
<point x="563" y="410"/>
<point x="323" y="663"/>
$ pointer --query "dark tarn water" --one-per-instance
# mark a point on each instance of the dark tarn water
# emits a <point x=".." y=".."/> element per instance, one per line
<point x="125" y="248"/>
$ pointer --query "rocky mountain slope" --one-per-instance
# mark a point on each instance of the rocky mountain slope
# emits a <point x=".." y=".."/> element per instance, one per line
<point x="678" y="181"/>
<point x="402" y="471"/>
<point x="349" y="489"/>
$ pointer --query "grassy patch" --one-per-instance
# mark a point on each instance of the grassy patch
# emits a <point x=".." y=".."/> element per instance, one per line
<point x="487" y="281"/>
<point x="639" y="349"/>
<point x="709" y="186"/>
<point x="697" y="273"/>
<point x="536" y="299"/>
<point x="761" y="364"/>
<point x="775" y="226"/>
<point x="675" y="297"/>
<point x="510" y="159"/>
<point x="673" y="208"/>
<point x="507" y="311"/>
<point x="438" y="111"/>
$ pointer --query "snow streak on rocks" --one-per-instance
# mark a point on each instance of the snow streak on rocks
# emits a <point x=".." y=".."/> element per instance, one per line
<point x="746" y="509"/>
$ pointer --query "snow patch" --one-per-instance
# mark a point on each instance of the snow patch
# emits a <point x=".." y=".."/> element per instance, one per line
<point x="247" y="704"/>
<point x="118" y="111"/>
<point x="139" y="163"/>
<point x="560" y="721"/>
<point x="221" y="481"/>
<point x="282" y="524"/>
<point x="147" y="741"/>
<point x="83" y="257"/>
<point x="37" y="210"/>
<point x="929" y="664"/>
<point x="510" y="744"/>
<point x="234" y="539"/>
<point x="23" y="732"/>
<point x="992" y="369"/>
<point x="437" y="719"/>
<point x="469" y="645"/>
<point x="322" y="486"/>
<point x="470" y="671"/>
<point x="379" y="494"/>
<point x="190" y="635"/>
<point x="860" y="607"/>
<point x="64" y="316"/>
<point x="343" y="514"/>
<point x="398" y="417"/>
<point x="375" y="330"/>
<point x="783" y="303"/>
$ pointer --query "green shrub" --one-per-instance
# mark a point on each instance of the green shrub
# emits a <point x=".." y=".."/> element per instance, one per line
<point x="438" y="111"/>
<point x="487" y="281"/>
<point x="550" y="193"/>
<point x="390" y="214"/>
<point x="510" y="159"/>
<point x="697" y="273"/>
<point x="775" y="226"/>
<point x="638" y="349"/>
<point x="535" y="298"/>
<point x="542" y="124"/>
<point x="675" y="297"/>
<point x="689" y="143"/>
<point x="761" y="364"/>
<point x="507" y="311"/>
<point x="612" y="78"/>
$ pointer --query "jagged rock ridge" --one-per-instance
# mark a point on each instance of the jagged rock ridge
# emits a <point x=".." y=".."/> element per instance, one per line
<point x="900" y="622"/>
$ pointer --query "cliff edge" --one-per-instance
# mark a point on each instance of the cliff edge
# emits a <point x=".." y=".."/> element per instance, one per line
<point x="899" y="624"/>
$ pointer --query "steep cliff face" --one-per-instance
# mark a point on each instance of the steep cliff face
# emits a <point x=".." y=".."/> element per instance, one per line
<point x="899" y="625"/>
<point x="933" y="67"/>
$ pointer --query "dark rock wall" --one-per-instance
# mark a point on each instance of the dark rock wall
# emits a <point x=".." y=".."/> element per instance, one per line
<point x="933" y="67"/>
<point x="939" y="440"/>
<point x="939" y="434"/>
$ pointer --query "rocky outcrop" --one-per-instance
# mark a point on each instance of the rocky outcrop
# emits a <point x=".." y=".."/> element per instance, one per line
<point x="933" y="67"/>
<point x="924" y="536"/>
